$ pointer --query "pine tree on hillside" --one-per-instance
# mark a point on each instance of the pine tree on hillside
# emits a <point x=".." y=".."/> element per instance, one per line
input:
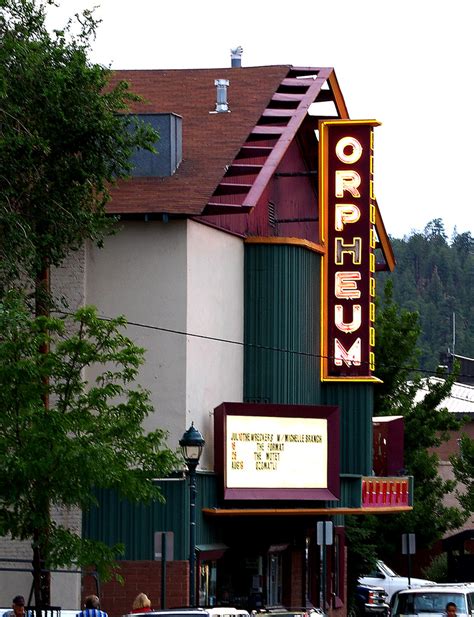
<point x="435" y="278"/>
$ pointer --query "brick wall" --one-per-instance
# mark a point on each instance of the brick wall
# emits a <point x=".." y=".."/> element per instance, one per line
<point x="142" y="576"/>
<point x="447" y="448"/>
<point x="297" y="582"/>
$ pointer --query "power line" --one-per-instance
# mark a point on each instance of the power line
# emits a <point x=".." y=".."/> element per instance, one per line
<point x="248" y="344"/>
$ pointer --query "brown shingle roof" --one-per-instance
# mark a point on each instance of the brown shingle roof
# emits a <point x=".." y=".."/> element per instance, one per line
<point x="210" y="140"/>
<point x="268" y="105"/>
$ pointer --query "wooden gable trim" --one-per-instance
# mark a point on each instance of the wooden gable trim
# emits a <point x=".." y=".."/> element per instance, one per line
<point x="338" y="98"/>
<point x="273" y="134"/>
<point x="385" y="244"/>
<point x="286" y="137"/>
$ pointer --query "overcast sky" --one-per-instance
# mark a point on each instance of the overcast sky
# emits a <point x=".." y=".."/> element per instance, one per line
<point x="407" y="64"/>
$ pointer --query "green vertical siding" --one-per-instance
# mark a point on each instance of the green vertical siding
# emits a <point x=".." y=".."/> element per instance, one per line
<point x="116" y="520"/>
<point x="351" y="491"/>
<point x="282" y="316"/>
<point x="282" y="298"/>
<point x="356" y="403"/>
<point x="281" y="365"/>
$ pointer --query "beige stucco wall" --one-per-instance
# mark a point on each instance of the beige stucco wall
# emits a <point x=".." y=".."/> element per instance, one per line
<point x="172" y="280"/>
<point x="214" y="368"/>
<point x="177" y="280"/>
<point x="141" y="273"/>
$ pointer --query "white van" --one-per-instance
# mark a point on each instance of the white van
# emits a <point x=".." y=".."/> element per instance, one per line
<point x="431" y="601"/>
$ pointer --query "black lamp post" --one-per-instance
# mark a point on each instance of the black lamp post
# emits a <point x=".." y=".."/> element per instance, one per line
<point x="192" y="443"/>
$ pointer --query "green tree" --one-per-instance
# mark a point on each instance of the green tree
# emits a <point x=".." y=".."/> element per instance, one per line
<point x="362" y="553"/>
<point x="397" y="354"/>
<point x="426" y="426"/>
<point x="91" y="435"/>
<point x="463" y="243"/>
<point x="435" y="229"/>
<point x="463" y="467"/>
<point x="64" y="138"/>
<point x="434" y="278"/>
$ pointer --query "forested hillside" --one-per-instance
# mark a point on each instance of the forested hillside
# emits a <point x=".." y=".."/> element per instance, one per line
<point x="435" y="276"/>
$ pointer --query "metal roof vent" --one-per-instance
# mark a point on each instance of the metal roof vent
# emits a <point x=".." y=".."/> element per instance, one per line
<point x="236" y="56"/>
<point x="221" y="103"/>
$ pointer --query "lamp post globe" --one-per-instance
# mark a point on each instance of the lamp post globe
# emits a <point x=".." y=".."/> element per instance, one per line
<point x="192" y="444"/>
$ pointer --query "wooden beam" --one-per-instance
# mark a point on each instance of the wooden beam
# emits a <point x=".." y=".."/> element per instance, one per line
<point x="231" y="188"/>
<point x="287" y="97"/>
<point x="301" y="511"/>
<point x="268" y="130"/>
<point x="338" y="98"/>
<point x="287" y="136"/>
<point x="242" y="169"/>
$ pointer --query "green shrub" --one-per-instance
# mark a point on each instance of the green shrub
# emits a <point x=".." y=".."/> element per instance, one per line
<point x="438" y="569"/>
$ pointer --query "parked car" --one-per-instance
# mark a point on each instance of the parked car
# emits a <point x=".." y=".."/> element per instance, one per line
<point x="215" y="611"/>
<point x="295" y="612"/>
<point x="283" y="612"/>
<point x="53" y="611"/>
<point x="370" y="600"/>
<point x="430" y="601"/>
<point x="383" y="576"/>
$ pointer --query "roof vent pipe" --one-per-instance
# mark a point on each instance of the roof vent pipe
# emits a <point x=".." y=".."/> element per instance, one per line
<point x="221" y="104"/>
<point x="236" y="56"/>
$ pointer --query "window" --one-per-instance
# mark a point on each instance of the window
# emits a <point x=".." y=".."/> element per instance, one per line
<point x="207" y="583"/>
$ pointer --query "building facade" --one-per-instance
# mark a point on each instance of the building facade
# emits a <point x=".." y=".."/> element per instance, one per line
<point x="245" y="262"/>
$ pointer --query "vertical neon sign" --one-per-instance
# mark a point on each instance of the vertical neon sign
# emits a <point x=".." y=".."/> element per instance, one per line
<point x="348" y="232"/>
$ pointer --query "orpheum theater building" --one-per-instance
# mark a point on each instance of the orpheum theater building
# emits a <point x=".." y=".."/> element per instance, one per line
<point x="245" y="262"/>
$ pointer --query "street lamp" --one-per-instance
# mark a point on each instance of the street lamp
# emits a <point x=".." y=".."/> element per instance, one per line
<point x="192" y="444"/>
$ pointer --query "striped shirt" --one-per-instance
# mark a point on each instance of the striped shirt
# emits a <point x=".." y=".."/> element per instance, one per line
<point x="92" y="612"/>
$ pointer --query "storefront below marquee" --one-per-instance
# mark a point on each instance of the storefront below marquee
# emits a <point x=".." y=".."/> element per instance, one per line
<point x="259" y="547"/>
<point x="271" y="562"/>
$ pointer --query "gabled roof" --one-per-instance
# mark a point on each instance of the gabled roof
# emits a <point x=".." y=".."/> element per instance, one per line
<point x="267" y="105"/>
<point x="229" y="158"/>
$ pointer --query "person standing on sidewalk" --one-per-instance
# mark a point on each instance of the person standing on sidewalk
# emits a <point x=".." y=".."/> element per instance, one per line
<point x="92" y="608"/>
<point x="18" y="608"/>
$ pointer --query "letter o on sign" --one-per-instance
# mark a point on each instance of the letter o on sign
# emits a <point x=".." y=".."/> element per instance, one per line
<point x="346" y="143"/>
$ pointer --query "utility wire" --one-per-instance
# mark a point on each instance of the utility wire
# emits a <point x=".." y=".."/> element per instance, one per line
<point x="253" y="345"/>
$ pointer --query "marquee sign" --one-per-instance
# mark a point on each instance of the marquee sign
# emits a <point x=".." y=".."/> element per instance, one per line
<point x="348" y="232"/>
<point x="277" y="451"/>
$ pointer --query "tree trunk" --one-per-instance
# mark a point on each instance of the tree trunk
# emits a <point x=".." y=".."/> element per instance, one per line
<point x="42" y="579"/>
